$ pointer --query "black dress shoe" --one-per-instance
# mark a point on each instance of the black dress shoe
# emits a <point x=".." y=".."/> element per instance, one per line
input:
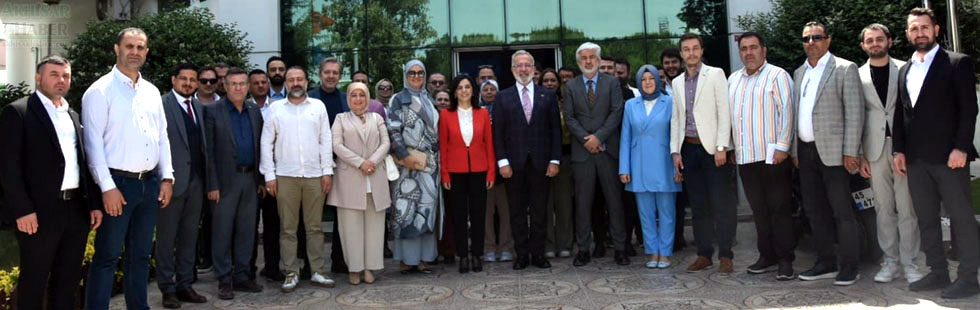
<point x="170" y="301"/>
<point x="476" y="264"/>
<point x="932" y="281"/>
<point x="273" y="275"/>
<point x="464" y="265"/>
<point x="225" y="291"/>
<point x="962" y="288"/>
<point x="540" y="261"/>
<point x="600" y="251"/>
<point x="248" y="286"/>
<point x="521" y="262"/>
<point x="582" y="259"/>
<point x="630" y="251"/>
<point x="621" y="258"/>
<point x="191" y="296"/>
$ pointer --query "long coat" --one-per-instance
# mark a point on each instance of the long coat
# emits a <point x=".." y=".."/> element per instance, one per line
<point x="644" y="151"/>
<point x="355" y="142"/>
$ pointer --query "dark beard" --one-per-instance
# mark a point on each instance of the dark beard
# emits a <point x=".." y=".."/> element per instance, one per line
<point x="277" y="80"/>
<point x="882" y="53"/>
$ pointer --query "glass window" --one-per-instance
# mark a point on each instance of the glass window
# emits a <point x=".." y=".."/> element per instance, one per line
<point x="633" y="51"/>
<point x="595" y="20"/>
<point x="533" y="21"/>
<point x="406" y="24"/>
<point x="337" y="24"/>
<point x="296" y="40"/>
<point x="388" y="64"/>
<point x="662" y="18"/>
<point x="350" y="61"/>
<point x="476" y="22"/>
<point x="657" y="46"/>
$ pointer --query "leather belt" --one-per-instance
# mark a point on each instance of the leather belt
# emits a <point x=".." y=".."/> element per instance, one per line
<point x="244" y="169"/>
<point x="692" y="140"/>
<point x="144" y="175"/>
<point x="67" y="194"/>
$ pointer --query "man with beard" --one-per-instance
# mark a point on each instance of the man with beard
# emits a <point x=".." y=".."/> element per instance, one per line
<point x="623" y="74"/>
<point x="221" y="69"/>
<point x="671" y="60"/>
<point x="258" y="85"/>
<point x="898" y="232"/>
<point x="275" y="67"/>
<point x="436" y="81"/>
<point x="207" y="86"/>
<point x="933" y="145"/>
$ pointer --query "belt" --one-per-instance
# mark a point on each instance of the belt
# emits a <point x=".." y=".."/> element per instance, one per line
<point x="244" y="168"/>
<point x="67" y="194"/>
<point x="144" y="175"/>
<point x="692" y="140"/>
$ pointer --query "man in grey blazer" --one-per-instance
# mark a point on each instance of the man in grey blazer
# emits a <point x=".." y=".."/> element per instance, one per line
<point x="593" y="112"/>
<point x="898" y="231"/>
<point x="177" y="225"/>
<point x="830" y="118"/>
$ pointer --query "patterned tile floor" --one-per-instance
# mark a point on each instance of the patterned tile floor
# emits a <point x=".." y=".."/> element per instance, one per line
<point x="601" y="285"/>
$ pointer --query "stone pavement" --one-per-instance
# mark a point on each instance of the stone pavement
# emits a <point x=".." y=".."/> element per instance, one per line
<point x="601" y="285"/>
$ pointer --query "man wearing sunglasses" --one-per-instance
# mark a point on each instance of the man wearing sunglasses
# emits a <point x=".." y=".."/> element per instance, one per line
<point x="436" y="81"/>
<point x="207" y="86"/>
<point x="830" y="119"/>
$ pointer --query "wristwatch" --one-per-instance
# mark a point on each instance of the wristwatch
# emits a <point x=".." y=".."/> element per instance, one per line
<point x="721" y="148"/>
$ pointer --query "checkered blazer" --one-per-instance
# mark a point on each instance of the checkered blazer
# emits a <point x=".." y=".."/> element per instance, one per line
<point x="838" y="113"/>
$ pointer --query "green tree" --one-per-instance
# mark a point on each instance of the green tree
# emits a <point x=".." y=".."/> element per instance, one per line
<point x="709" y="19"/>
<point x="181" y="35"/>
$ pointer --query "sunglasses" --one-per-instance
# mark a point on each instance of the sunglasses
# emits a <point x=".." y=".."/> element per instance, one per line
<point x="813" y="37"/>
<point x="415" y="73"/>
<point x="437" y="82"/>
<point x="442" y="99"/>
<point x="208" y="81"/>
<point x="384" y="87"/>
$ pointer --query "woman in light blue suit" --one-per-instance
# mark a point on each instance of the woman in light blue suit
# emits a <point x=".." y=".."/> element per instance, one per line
<point x="646" y="167"/>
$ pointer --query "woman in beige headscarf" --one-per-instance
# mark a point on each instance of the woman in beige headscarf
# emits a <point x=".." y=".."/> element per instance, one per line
<point x="360" y="141"/>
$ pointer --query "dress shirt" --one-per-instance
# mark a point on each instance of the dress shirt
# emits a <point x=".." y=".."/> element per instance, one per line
<point x="216" y="97"/>
<point x="669" y="89"/>
<point x="916" y="75"/>
<point x="65" y="129"/>
<point x="276" y="96"/>
<point x="808" y="96"/>
<point x="761" y="112"/>
<point x="264" y="108"/>
<point x="125" y="127"/>
<point x="241" y="129"/>
<point x="690" y="90"/>
<point x="466" y="124"/>
<point x="296" y="140"/>
<point x="530" y="95"/>
<point x="648" y="105"/>
<point x="183" y="105"/>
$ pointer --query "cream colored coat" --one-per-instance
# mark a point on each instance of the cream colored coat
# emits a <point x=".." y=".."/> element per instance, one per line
<point x="353" y="143"/>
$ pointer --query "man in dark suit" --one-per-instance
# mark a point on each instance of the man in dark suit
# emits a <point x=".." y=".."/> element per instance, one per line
<point x="233" y="127"/>
<point x="177" y="225"/>
<point x="593" y="111"/>
<point x="48" y="190"/>
<point x="527" y="139"/>
<point x="933" y="144"/>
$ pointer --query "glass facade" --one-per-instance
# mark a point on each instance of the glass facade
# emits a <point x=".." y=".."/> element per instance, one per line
<point x="380" y="36"/>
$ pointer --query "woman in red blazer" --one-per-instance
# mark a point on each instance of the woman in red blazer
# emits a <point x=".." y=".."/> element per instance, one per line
<point x="469" y="168"/>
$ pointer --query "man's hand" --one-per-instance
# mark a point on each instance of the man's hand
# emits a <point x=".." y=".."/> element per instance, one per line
<point x="166" y="191"/>
<point x="506" y="172"/>
<point x="261" y="191"/>
<point x="367" y="167"/>
<point x="28" y="224"/>
<point x="592" y="144"/>
<point x="865" y="168"/>
<point x="625" y="178"/>
<point x="552" y="171"/>
<point x="779" y="156"/>
<point x="898" y="163"/>
<point x="851" y="163"/>
<point x="95" y="219"/>
<point x="272" y="187"/>
<point x="326" y="183"/>
<point x="113" y="202"/>
<point x="957" y="159"/>
<point x="214" y="196"/>
<point x="678" y="163"/>
<point x="720" y="158"/>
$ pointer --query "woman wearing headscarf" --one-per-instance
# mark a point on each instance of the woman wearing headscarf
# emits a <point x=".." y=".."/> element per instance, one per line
<point x="384" y="90"/>
<point x="413" y="126"/>
<point x="646" y="166"/>
<point x="496" y="241"/>
<point x="360" y="141"/>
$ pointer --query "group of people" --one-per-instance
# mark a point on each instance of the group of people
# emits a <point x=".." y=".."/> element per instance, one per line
<point x="473" y="173"/>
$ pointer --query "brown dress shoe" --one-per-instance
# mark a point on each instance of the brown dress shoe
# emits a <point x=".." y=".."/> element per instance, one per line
<point x="701" y="264"/>
<point x="189" y="295"/>
<point x="726" y="266"/>
<point x="170" y="301"/>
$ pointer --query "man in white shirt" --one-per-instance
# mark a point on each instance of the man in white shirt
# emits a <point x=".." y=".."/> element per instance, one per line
<point x="297" y="162"/>
<point x="128" y="154"/>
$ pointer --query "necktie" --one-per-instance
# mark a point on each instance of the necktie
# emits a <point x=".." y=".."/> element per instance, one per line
<point x="591" y="93"/>
<point x="526" y="102"/>
<point x="190" y="109"/>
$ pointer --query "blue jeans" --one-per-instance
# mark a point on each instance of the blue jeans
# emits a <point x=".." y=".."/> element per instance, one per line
<point x="134" y="227"/>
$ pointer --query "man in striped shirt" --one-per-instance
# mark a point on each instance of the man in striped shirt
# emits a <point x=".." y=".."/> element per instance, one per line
<point x="762" y="126"/>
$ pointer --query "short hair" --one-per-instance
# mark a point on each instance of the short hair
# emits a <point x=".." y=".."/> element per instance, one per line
<point x="453" y="101"/>
<point x="324" y="62"/>
<point x="183" y="66"/>
<point x="257" y="72"/>
<point x="924" y="11"/>
<point x="54" y="60"/>
<point x="235" y="71"/>
<point x="300" y="68"/>
<point x="818" y="24"/>
<point x="434" y="74"/>
<point x="751" y="34"/>
<point x="875" y="26"/>
<point x="274" y="58"/>
<point x="133" y="30"/>
<point x="360" y="72"/>
<point x="481" y="67"/>
<point x="588" y="46"/>
<point x="622" y="61"/>
<point x="569" y="69"/>
<point x="607" y="58"/>
<point x="671" y="52"/>
<point x="221" y="64"/>
<point x="203" y="69"/>
<point x="519" y="53"/>
<point x="691" y="36"/>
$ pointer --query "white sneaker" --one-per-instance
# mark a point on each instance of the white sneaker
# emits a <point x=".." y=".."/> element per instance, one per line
<point x="564" y="253"/>
<point x="490" y="257"/>
<point x="912" y="273"/>
<point x="506" y="256"/>
<point x="889" y="271"/>
<point x="549" y="254"/>
<point x="289" y="285"/>
<point x="321" y="280"/>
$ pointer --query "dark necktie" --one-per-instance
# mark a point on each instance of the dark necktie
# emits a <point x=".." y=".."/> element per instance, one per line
<point x="190" y="109"/>
<point x="591" y="93"/>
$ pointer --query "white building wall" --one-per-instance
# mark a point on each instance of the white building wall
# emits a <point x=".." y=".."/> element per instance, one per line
<point x="737" y="8"/>
<point x="258" y="19"/>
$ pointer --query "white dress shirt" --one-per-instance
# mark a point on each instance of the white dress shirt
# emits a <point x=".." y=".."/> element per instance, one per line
<point x="180" y="102"/>
<point x="125" y="127"/>
<point x="916" y="75"/>
<point x="520" y="95"/>
<point x="808" y="96"/>
<point x="296" y="140"/>
<point x="466" y="124"/>
<point x="65" y="129"/>
<point x="648" y="105"/>
<point x="216" y="97"/>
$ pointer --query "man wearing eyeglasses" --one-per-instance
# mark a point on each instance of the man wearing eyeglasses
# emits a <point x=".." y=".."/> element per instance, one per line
<point x="207" y="86"/>
<point x="436" y="81"/>
<point x="830" y="119"/>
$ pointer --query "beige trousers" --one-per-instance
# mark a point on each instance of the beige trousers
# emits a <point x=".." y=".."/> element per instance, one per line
<point x="362" y="235"/>
<point x="296" y="193"/>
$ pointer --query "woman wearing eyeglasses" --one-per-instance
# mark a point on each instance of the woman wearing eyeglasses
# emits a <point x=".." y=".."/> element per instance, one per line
<point x="413" y="126"/>
<point x="384" y="90"/>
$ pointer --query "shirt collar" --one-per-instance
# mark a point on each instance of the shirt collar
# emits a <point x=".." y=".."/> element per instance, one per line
<point x="180" y="99"/>
<point x="125" y="79"/>
<point x="216" y="96"/>
<point x="49" y="104"/>
<point x="530" y="87"/>
<point x="697" y="71"/>
<point x="821" y="63"/>
<point x="745" y="73"/>
<point x="594" y="79"/>
<point x="928" y="57"/>
<point x="281" y="92"/>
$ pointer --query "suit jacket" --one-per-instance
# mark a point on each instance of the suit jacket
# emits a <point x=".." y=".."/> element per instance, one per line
<point x="878" y="115"/>
<point x="516" y="140"/>
<point x="602" y="120"/>
<point x="944" y="116"/>
<point x="455" y="156"/>
<point x="32" y="166"/>
<point x="838" y="113"/>
<point x="221" y="150"/>
<point x="180" y="152"/>
<point x="353" y="143"/>
<point x="712" y="114"/>
<point x="644" y="155"/>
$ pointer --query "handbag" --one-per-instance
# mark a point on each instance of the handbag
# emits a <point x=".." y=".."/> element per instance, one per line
<point x="391" y="167"/>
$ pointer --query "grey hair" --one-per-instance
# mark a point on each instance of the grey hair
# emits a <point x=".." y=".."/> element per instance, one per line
<point x="513" y="58"/>
<point x="589" y="46"/>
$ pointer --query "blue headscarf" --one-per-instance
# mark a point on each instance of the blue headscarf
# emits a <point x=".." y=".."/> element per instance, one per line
<point x="656" y="77"/>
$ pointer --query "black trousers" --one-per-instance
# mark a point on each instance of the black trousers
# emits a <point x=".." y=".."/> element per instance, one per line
<point x="468" y="198"/>
<point x="527" y="191"/>
<point x="711" y="192"/>
<point x="204" y="235"/>
<point x="269" y="211"/>
<point x="827" y="202"/>
<point x="932" y="184"/>
<point x="52" y="257"/>
<point x="600" y="219"/>
<point x="769" y="190"/>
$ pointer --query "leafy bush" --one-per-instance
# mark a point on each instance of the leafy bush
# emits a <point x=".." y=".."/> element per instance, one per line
<point x="10" y="93"/>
